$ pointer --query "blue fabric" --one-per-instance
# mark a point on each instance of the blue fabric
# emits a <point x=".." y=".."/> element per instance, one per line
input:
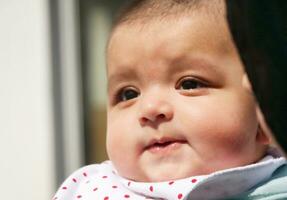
<point x="273" y="189"/>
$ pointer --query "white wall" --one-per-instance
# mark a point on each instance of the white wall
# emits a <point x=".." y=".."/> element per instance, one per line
<point x="26" y="125"/>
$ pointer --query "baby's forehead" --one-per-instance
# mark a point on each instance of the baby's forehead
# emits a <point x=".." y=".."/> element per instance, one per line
<point x="213" y="13"/>
<point x="171" y="38"/>
<point x="152" y="14"/>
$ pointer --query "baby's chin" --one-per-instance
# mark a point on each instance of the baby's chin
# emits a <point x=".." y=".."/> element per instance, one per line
<point x="175" y="172"/>
<point x="164" y="175"/>
<point x="160" y="178"/>
<point x="170" y="170"/>
<point x="167" y="177"/>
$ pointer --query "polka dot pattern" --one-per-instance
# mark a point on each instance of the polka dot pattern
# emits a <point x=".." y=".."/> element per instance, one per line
<point x="101" y="182"/>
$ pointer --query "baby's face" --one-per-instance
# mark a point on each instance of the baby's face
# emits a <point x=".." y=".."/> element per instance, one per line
<point x="177" y="107"/>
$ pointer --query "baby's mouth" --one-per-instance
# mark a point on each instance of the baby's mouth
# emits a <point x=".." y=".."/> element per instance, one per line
<point x="164" y="145"/>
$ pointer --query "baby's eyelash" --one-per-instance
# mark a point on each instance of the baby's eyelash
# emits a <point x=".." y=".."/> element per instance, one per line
<point x="125" y="94"/>
<point x="190" y="83"/>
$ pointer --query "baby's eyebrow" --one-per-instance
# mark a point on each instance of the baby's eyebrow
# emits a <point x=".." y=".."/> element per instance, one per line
<point x="120" y="76"/>
<point x="195" y="63"/>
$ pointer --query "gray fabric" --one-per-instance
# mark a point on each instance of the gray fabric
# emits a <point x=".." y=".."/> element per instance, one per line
<point x="273" y="189"/>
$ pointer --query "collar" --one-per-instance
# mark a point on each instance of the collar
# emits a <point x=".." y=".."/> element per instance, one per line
<point x="101" y="181"/>
<point x="218" y="185"/>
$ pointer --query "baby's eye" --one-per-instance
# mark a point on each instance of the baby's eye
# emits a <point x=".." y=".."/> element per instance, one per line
<point x="127" y="94"/>
<point x="189" y="83"/>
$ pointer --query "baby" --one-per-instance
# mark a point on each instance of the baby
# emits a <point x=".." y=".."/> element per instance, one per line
<point x="182" y="121"/>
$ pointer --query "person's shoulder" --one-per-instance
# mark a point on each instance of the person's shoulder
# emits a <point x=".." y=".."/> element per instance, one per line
<point x="71" y="185"/>
<point x="275" y="188"/>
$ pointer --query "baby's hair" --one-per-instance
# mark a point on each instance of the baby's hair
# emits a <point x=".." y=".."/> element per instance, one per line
<point x="143" y="11"/>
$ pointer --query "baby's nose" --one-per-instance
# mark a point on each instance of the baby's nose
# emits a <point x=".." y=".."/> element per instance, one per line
<point x="155" y="111"/>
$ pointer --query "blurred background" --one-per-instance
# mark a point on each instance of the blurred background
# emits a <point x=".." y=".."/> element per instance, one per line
<point x="52" y="91"/>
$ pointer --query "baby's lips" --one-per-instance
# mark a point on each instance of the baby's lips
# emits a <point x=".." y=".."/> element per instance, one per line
<point x="164" y="141"/>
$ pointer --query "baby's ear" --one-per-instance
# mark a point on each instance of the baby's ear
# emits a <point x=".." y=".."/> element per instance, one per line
<point x="264" y="134"/>
<point x="246" y="83"/>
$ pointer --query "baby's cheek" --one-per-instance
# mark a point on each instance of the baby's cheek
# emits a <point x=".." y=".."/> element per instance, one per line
<point x="234" y="140"/>
<point x="115" y="143"/>
<point x="120" y="149"/>
<point x="219" y="130"/>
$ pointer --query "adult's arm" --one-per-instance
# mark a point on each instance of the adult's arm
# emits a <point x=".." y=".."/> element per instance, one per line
<point x="259" y="29"/>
